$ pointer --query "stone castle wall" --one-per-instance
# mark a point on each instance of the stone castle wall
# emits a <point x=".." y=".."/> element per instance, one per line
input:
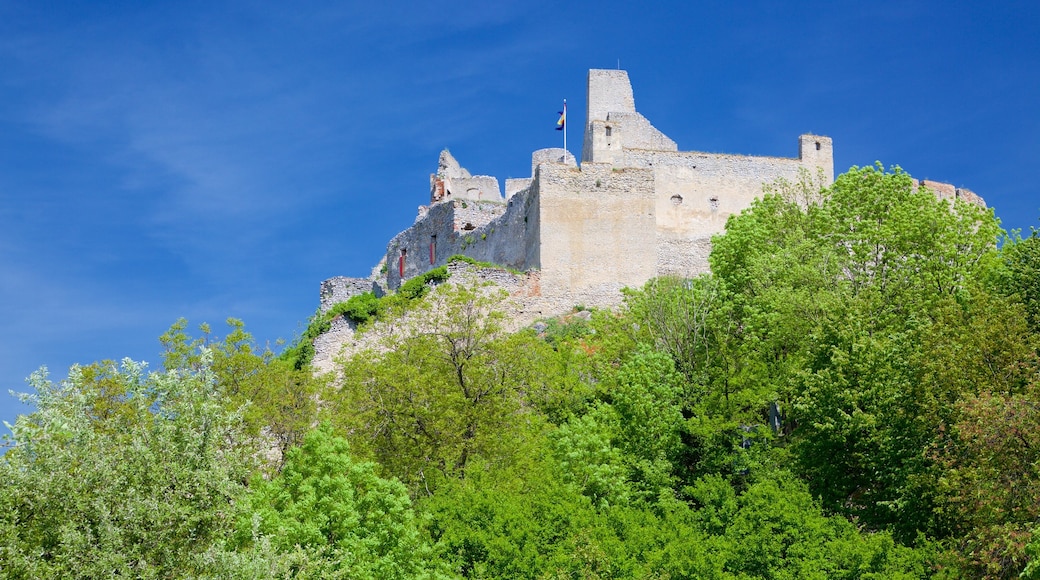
<point x="635" y="208"/>
<point x="498" y="232"/>
<point x="597" y="229"/>
<point x="340" y="289"/>
<point x="695" y="193"/>
<point x="950" y="193"/>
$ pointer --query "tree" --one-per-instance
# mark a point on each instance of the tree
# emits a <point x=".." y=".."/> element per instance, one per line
<point x="278" y="401"/>
<point x="834" y="297"/>
<point x="990" y="489"/>
<point x="351" y="522"/>
<point x="681" y="317"/>
<point x="1020" y="276"/>
<point x="453" y="388"/>
<point x="121" y="472"/>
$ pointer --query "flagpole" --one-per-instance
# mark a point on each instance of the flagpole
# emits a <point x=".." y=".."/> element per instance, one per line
<point x="565" y="124"/>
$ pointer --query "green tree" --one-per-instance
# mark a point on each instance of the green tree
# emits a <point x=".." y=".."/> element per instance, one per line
<point x="454" y="388"/>
<point x="990" y="487"/>
<point x="352" y="523"/>
<point x="778" y="531"/>
<point x="835" y="296"/>
<point x="119" y="472"/>
<point x="1020" y="276"/>
<point x="685" y="318"/>
<point x="278" y="401"/>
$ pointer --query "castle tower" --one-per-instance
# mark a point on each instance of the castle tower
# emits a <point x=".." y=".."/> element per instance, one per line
<point x="817" y="151"/>
<point x="612" y="123"/>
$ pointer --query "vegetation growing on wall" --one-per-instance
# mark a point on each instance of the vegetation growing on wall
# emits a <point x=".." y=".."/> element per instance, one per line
<point x="479" y="264"/>
<point x="362" y="309"/>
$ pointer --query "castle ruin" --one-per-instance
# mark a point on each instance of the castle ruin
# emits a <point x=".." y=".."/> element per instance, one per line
<point x="636" y="207"/>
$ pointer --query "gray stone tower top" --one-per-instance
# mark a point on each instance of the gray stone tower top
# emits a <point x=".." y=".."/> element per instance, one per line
<point x="609" y="91"/>
<point x="612" y="123"/>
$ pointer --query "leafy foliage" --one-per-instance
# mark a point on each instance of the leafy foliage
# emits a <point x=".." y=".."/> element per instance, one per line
<point x="277" y="400"/>
<point x="1021" y="273"/>
<point x="360" y="308"/>
<point x="338" y="510"/>
<point x="992" y="480"/>
<point x="445" y="394"/>
<point x="474" y="262"/>
<point x="120" y="472"/>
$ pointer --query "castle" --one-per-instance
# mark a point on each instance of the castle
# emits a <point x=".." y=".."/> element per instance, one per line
<point x="636" y="207"/>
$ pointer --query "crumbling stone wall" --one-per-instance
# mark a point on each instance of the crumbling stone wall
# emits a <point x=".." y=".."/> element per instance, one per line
<point x="636" y="207"/>
<point x="452" y="181"/>
<point x="523" y="306"/>
<point x="501" y="233"/>
<point x="340" y="289"/>
<point x="950" y="193"/>
<point x="330" y="344"/>
<point x="470" y="215"/>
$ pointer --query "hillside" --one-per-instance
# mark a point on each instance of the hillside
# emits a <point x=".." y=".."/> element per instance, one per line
<point x="852" y="392"/>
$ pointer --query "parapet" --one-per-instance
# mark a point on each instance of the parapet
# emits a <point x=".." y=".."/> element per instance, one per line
<point x="949" y="192"/>
<point x="552" y="155"/>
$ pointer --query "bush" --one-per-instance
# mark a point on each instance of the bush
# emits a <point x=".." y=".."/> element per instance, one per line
<point x="420" y="285"/>
<point x="359" y="308"/>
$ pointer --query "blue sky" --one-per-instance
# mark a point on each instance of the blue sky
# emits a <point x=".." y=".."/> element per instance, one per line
<point x="214" y="159"/>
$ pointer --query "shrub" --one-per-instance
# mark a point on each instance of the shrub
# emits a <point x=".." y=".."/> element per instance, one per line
<point x="359" y="308"/>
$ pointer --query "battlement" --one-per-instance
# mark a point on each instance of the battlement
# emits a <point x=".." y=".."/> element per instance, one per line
<point x="949" y="192"/>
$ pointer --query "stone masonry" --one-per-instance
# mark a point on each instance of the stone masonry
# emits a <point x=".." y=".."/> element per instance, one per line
<point x="636" y="207"/>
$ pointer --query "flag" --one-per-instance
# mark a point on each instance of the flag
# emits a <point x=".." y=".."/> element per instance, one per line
<point x="563" y="118"/>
